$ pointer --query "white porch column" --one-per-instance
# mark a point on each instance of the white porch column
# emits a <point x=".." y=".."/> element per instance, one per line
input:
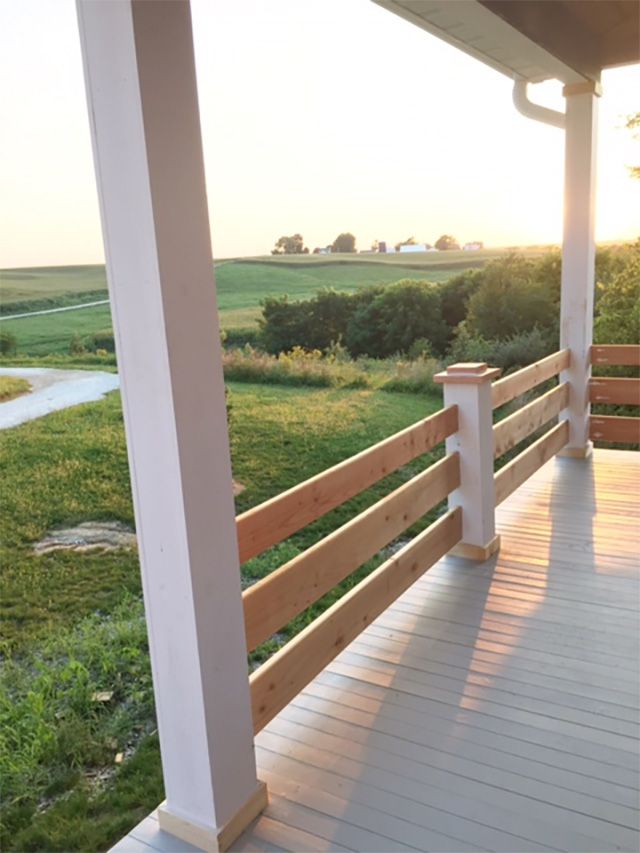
<point x="468" y="386"/>
<point x="578" y="258"/>
<point x="141" y="87"/>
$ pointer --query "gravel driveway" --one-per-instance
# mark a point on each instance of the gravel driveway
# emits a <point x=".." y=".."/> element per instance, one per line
<point x="53" y="390"/>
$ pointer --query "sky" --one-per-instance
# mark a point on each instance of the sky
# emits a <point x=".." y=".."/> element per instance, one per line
<point x="318" y="116"/>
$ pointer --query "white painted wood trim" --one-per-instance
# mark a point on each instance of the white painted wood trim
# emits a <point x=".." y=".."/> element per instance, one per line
<point x="141" y="88"/>
<point x="468" y="386"/>
<point x="578" y="262"/>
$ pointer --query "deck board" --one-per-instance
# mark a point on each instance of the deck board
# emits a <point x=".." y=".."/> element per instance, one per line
<point x="492" y="707"/>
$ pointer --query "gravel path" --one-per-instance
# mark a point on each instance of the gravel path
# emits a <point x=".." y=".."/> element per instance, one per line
<point x="53" y="390"/>
<point x="53" y="310"/>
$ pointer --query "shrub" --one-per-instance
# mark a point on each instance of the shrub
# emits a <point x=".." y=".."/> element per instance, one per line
<point x="241" y="337"/>
<point x="103" y="340"/>
<point x="414" y="377"/>
<point x="8" y="343"/>
<point x="77" y="346"/>
<point x="508" y="354"/>
<point x="313" y="323"/>
<point x="618" y="319"/>
<point x="397" y="317"/>
<point x="283" y="323"/>
<point x="420" y="348"/>
<point x="101" y="343"/>
<point x="299" y="367"/>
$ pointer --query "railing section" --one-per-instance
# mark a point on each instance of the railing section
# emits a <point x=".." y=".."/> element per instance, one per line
<point x="273" y="601"/>
<point x="608" y="390"/>
<point x="510" y="431"/>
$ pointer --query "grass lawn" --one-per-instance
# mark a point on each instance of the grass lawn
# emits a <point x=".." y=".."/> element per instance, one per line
<point x="73" y="622"/>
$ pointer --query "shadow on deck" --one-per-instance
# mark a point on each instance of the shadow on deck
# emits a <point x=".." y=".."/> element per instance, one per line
<point x="494" y="706"/>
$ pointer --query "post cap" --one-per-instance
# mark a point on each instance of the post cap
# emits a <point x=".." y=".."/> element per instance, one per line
<point x="468" y="373"/>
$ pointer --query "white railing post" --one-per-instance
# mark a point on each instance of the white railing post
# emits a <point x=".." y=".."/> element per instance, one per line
<point x="141" y="88"/>
<point x="468" y="386"/>
<point x="578" y="258"/>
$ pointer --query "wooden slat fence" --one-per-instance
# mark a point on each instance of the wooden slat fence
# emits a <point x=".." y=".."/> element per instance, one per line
<point x="285" y="674"/>
<point x="512" y="386"/>
<point x="276" y="599"/>
<point x="609" y="390"/>
<point x="276" y="519"/>
<point x="273" y="601"/>
<point x="510" y="431"/>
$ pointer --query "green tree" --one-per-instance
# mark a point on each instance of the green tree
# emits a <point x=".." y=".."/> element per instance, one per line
<point x="455" y="294"/>
<point x="447" y="242"/>
<point x="293" y="245"/>
<point x="511" y="299"/>
<point x="344" y="242"/>
<point x="618" y="311"/>
<point x="402" y="314"/>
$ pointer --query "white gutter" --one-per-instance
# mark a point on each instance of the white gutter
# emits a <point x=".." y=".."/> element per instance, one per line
<point x="535" y="111"/>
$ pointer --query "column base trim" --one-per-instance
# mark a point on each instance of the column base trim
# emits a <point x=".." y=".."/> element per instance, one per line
<point x="577" y="452"/>
<point x="478" y="553"/>
<point x="214" y="840"/>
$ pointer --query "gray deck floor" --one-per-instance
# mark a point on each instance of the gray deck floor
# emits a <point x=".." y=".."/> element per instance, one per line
<point x="492" y="707"/>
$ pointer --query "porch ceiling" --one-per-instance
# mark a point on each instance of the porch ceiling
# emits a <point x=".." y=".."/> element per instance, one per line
<point x="571" y="40"/>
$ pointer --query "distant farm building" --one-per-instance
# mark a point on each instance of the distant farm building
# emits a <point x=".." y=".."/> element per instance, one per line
<point x="414" y="247"/>
<point x="473" y="247"/>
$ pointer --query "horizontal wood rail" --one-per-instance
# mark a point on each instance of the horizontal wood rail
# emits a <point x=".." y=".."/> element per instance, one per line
<point x="618" y="429"/>
<point x="617" y="355"/>
<point x="284" y="675"/>
<point x="276" y="599"/>
<point x="276" y="519"/>
<point x="527" y="463"/>
<point x="610" y="390"/>
<point x="523" y="380"/>
<point x="512" y="430"/>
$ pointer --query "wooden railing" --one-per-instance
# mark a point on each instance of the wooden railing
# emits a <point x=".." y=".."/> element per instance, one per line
<point x="510" y="431"/>
<point x="276" y="599"/>
<point x="609" y="390"/>
<point x="512" y="386"/>
<point x="276" y="519"/>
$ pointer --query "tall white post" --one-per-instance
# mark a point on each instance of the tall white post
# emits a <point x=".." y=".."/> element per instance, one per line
<point x="141" y="87"/>
<point x="468" y="386"/>
<point x="578" y="258"/>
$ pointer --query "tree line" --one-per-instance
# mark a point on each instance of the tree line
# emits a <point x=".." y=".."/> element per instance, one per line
<point x="506" y="313"/>
<point x="345" y="243"/>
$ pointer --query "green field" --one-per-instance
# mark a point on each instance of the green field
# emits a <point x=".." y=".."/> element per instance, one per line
<point x="74" y="623"/>
<point x="41" y="284"/>
<point x="241" y="286"/>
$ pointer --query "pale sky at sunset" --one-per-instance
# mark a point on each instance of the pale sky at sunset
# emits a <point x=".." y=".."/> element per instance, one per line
<point x="318" y="116"/>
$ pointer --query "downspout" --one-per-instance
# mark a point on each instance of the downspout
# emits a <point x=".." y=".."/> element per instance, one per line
<point x="535" y="111"/>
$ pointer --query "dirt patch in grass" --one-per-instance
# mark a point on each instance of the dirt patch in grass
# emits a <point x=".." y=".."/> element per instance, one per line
<point x="104" y="535"/>
<point x="96" y="535"/>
